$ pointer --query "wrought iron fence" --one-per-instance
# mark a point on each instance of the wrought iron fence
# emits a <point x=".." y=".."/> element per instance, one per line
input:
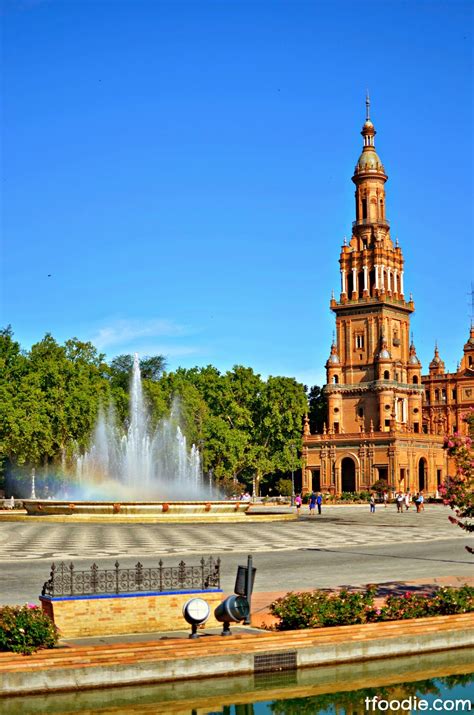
<point x="66" y="580"/>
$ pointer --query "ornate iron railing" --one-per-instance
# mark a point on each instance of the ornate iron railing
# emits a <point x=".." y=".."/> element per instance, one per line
<point x="66" y="580"/>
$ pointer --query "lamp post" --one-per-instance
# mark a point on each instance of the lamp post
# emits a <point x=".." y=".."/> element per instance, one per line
<point x="292" y="446"/>
<point x="33" y="491"/>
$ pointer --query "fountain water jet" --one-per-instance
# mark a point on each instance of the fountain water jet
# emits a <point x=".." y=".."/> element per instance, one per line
<point x="141" y="463"/>
<point x="137" y="466"/>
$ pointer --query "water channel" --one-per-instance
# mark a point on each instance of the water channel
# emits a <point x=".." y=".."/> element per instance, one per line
<point x="336" y="690"/>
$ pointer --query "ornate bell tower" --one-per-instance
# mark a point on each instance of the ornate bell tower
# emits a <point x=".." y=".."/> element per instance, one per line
<point x="373" y="383"/>
<point x="374" y="428"/>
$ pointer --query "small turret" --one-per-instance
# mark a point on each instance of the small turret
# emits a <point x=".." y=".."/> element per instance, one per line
<point x="436" y="365"/>
<point x="467" y="362"/>
<point x="333" y="365"/>
<point x="414" y="365"/>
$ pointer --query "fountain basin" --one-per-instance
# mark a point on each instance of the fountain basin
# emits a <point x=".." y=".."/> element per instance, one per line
<point x="155" y="509"/>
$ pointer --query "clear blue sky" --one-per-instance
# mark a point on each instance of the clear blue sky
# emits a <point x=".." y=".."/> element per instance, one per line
<point x="182" y="170"/>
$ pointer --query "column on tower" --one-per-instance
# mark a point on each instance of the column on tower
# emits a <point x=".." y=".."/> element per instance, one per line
<point x="343" y="281"/>
<point x="355" y="287"/>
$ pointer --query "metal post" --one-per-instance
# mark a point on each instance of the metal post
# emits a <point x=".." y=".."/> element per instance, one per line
<point x="248" y="589"/>
<point x="292" y="447"/>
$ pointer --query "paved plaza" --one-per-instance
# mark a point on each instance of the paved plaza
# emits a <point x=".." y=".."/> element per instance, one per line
<point x="346" y="545"/>
<point x="336" y="527"/>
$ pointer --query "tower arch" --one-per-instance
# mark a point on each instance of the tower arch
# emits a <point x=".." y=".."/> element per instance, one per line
<point x="348" y="467"/>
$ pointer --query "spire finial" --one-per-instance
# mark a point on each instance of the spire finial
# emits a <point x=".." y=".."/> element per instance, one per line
<point x="367" y="107"/>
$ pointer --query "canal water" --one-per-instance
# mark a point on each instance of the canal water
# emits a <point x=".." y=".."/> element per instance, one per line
<point x="444" y="680"/>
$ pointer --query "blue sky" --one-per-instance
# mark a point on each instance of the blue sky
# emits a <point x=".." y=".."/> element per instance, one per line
<point x="182" y="172"/>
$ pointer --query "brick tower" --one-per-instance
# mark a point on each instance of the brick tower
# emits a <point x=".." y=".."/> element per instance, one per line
<point x="374" y="426"/>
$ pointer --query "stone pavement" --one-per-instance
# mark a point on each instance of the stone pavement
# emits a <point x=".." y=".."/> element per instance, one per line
<point x="337" y="527"/>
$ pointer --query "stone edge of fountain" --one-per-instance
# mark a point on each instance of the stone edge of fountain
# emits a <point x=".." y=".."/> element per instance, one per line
<point x="49" y="507"/>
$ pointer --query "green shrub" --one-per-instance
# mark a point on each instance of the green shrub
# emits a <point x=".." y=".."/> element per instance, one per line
<point x="353" y="497"/>
<point x="284" y="487"/>
<point x="445" y="602"/>
<point x="317" y="609"/>
<point x="25" y="629"/>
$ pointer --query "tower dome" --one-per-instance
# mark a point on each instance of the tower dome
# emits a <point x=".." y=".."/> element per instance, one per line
<point x="369" y="159"/>
<point x="412" y="356"/>
<point x="333" y="357"/>
<point x="437" y="365"/>
<point x="384" y="353"/>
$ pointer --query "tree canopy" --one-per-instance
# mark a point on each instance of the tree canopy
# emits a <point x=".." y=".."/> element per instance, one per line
<point x="248" y="429"/>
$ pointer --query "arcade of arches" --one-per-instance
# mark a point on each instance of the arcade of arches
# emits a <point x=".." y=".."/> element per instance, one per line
<point x="385" y="420"/>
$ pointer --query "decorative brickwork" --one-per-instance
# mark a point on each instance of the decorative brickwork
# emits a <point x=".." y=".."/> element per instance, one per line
<point x="107" y="615"/>
<point x="376" y="425"/>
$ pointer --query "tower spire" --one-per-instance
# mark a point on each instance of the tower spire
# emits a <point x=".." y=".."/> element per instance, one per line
<point x="367" y="107"/>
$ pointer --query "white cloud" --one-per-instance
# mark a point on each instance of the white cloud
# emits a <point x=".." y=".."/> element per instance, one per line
<point x="169" y="351"/>
<point x="123" y="332"/>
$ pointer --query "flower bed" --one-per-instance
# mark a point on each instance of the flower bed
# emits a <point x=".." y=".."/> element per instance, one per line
<point x="317" y="609"/>
<point x="25" y="629"/>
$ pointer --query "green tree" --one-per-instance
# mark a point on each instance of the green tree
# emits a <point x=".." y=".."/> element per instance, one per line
<point x="317" y="409"/>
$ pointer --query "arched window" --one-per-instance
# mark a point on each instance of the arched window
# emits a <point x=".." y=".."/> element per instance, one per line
<point x="335" y="379"/>
<point x="415" y="379"/>
<point x="386" y="375"/>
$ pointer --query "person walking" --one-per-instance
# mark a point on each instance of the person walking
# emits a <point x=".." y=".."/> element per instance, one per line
<point x="298" y="502"/>
<point x="312" y="503"/>
<point x="385" y="499"/>
<point x="372" y="503"/>
<point x="400" y="502"/>
<point x="319" y="501"/>
<point x="418" y="502"/>
<point x="407" y="500"/>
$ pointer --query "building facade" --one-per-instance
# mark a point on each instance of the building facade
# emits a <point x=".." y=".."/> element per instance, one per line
<point x="377" y="426"/>
<point x="449" y="396"/>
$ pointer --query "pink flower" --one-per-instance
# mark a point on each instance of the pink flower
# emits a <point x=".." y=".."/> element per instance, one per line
<point x="32" y="605"/>
<point x="450" y="443"/>
<point x="378" y="612"/>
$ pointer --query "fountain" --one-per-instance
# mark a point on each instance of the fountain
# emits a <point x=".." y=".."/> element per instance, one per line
<point x="143" y="463"/>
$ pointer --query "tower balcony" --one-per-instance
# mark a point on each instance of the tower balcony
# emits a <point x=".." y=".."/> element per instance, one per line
<point x="371" y="222"/>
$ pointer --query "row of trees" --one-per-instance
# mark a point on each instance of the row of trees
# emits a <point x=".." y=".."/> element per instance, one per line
<point x="248" y="429"/>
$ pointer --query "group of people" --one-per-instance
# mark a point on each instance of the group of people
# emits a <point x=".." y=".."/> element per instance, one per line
<point x="404" y="500"/>
<point x="315" y="500"/>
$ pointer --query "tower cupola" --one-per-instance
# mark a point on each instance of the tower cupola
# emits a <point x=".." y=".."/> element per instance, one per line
<point x="333" y="366"/>
<point x="467" y="362"/>
<point x="413" y="366"/>
<point x="369" y="161"/>
<point x="436" y="365"/>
